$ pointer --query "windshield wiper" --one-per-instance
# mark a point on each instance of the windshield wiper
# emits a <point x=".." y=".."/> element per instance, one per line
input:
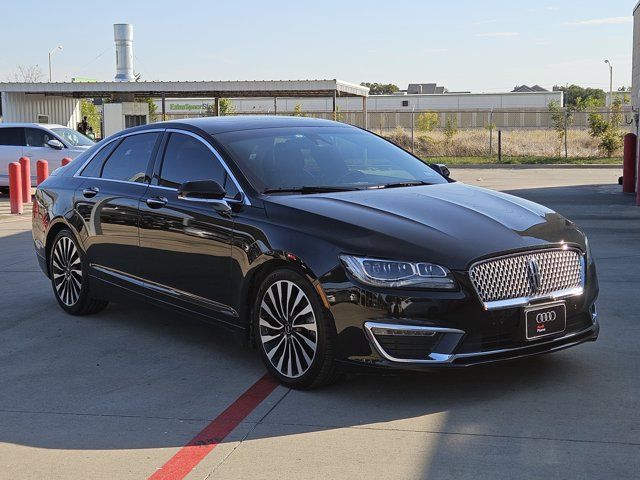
<point x="311" y="189"/>
<point x="408" y="183"/>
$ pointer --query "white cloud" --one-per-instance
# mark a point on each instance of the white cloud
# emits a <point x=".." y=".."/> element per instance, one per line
<point x="497" y="34"/>
<point x="550" y="8"/>
<point x="600" y="21"/>
<point x="491" y="20"/>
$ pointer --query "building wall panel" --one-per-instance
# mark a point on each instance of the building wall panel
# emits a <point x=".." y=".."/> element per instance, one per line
<point x="21" y="107"/>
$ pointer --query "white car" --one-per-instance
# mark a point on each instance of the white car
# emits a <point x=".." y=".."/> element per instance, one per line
<point x="37" y="141"/>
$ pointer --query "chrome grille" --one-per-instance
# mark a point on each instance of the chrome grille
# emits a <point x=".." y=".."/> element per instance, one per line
<point x="513" y="276"/>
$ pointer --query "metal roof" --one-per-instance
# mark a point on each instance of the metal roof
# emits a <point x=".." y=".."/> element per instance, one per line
<point x="232" y="89"/>
<point x="234" y="123"/>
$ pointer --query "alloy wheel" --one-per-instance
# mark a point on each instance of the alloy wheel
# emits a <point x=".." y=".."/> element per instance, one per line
<point x="288" y="329"/>
<point x="67" y="271"/>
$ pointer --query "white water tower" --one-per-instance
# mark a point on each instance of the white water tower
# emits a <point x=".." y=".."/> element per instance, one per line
<point x="123" y="35"/>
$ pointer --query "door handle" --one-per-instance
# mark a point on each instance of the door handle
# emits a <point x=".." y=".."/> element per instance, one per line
<point x="156" y="202"/>
<point x="90" y="192"/>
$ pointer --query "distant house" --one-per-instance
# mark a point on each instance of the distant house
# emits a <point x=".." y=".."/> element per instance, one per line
<point x="528" y="89"/>
<point x="425" y="88"/>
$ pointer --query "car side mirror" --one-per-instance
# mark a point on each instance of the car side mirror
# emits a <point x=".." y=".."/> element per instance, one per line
<point x="443" y="169"/>
<point x="205" y="191"/>
<point x="201" y="190"/>
<point x="55" y="144"/>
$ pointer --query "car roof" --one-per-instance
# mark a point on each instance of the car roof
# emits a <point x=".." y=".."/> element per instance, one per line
<point x="215" y="125"/>
<point x="27" y="124"/>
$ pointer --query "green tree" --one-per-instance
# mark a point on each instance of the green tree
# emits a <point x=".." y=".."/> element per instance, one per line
<point x="297" y="111"/>
<point x="597" y="124"/>
<point x="89" y="110"/>
<point x="451" y="126"/>
<point x="427" y="121"/>
<point x="610" y="142"/>
<point x="337" y="116"/>
<point x="153" y="109"/>
<point x="608" y="131"/>
<point x="562" y="119"/>
<point x="611" y="137"/>
<point x="574" y="94"/>
<point x="226" y="107"/>
<point x="381" y="88"/>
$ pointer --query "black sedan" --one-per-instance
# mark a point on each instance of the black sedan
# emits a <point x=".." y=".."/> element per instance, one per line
<point x="321" y="244"/>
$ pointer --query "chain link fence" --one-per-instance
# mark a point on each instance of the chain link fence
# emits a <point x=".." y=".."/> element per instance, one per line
<point x="525" y="134"/>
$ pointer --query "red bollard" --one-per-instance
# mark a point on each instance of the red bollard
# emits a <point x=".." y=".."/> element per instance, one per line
<point x="66" y="161"/>
<point x="15" y="188"/>
<point x="25" y="172"/>
<point x="42" y="169"/>
<point x="629" y="163"/>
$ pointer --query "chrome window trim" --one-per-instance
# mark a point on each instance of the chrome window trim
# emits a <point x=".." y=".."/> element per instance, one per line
<point x="433" y="357"/>
<point x="119" y="137"/>
<point x="245" y="198"/>
<point x="526" y="301"/>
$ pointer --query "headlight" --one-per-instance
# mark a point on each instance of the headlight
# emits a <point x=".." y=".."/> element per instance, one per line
<point x="390" y="273"/>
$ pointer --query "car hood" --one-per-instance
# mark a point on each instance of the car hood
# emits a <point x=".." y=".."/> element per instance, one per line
<point x="452" y="224"/>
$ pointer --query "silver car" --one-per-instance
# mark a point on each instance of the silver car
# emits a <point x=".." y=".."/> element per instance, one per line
<point x="37" y="141"/>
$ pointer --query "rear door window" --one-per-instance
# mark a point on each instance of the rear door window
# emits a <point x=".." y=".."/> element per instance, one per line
<point x="130" y="159"/>
<point x="13" y="136"/>
<point x="94" y="167"/>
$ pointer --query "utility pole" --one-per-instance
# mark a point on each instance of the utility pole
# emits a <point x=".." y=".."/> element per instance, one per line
<point x="59" y="47"/>
<point x="610" y="86"/>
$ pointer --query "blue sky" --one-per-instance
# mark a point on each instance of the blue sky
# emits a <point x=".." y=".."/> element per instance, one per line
<point x="486" y="45"/>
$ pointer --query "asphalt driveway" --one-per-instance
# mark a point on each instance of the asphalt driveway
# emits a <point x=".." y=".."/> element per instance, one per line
<point x="118" y="394"/>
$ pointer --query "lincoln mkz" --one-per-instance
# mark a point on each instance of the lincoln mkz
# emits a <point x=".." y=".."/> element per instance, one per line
<point x="320" y="244"/>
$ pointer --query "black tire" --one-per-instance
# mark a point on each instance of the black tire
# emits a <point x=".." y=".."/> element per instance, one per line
<point x="68" y="269"/>
<point x="287" y="353"/>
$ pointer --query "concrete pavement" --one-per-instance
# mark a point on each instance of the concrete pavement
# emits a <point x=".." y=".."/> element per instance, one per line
<point x="115" y="395"/>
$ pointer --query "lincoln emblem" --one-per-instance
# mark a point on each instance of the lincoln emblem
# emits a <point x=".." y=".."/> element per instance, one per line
<point x="533" y="275"/>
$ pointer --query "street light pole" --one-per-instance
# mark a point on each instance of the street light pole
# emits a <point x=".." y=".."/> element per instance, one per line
<point x="610" y="85"/>
<point x="59" y="47"/>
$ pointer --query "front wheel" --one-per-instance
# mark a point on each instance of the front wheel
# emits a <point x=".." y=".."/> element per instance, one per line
<point x="294" y="335"/>
<point x="69" y="278"/>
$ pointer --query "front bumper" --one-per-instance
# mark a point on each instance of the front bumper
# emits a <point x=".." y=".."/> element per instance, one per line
<point x="437" y="359"/>
<point x="444" y="329"/>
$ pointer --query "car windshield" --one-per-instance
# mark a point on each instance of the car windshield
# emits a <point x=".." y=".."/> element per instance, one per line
<point x="74" y="138"/>
<point x="310" y="159"/>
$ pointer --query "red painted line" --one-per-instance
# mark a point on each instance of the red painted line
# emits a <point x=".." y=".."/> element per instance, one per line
<point x="199" y="447"/>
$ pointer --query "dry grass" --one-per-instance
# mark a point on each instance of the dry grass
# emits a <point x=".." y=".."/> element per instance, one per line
<point x="515" y="143"/>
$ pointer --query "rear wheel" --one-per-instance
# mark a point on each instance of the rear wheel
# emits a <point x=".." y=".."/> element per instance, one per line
<point x="296" y="341"/>
<point x="69" y="279"/>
